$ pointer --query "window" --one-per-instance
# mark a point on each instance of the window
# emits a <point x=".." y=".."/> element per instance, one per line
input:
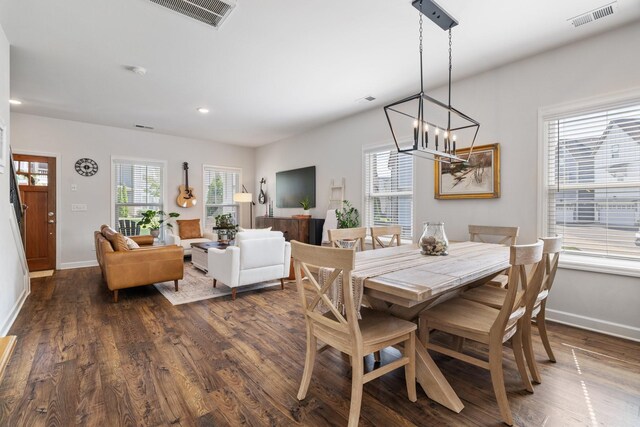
<point x="592" y="188"/>
<point x="388" y="189"/>
<point x="219" y="186"/>
<point x="138" y="185"/>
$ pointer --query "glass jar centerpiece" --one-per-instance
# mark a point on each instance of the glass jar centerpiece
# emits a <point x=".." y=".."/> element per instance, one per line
<point x="434" y="240"/>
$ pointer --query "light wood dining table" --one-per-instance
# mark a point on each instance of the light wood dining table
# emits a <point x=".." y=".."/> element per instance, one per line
<point x="406" y="292"/>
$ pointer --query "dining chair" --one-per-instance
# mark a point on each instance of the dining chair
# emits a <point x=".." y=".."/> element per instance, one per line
<point x="343" y="331"/>
<point x="536" y="307"/>
<point x="392" y="230"/>
<point x="357" y="235"/>
<point x="471" y="320"/>
<point x="506" y="236"/>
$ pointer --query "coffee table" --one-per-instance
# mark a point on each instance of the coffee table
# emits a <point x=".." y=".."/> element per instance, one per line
<point x="199" y="257"/>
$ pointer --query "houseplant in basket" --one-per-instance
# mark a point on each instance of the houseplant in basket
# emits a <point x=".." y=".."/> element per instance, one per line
<point x="225" y="227"/>
<point x="348" y="217"/>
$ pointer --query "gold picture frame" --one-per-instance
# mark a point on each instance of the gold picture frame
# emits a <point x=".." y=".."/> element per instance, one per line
<point x="477" y="179"/>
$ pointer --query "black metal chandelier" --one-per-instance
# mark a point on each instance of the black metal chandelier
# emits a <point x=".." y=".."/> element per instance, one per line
<point x="422" y="125"/>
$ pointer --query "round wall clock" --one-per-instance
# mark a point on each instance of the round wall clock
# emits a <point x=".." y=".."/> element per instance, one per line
<point x="86" y="167"/>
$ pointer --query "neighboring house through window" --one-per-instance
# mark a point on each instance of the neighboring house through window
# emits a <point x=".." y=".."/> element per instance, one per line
<point x="137" y="186"/>
<point x="388" y="189"/>
<point x="592" y="182"/>
<point x="219" y="186"/>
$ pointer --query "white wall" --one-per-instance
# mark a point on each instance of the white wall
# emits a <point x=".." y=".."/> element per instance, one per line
<point x="74" y="140"/>
<point x="506" y="102"/>
<point x="14" y="281"/>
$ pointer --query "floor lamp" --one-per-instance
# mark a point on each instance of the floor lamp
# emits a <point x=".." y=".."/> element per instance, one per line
<point x="245" y="197"/>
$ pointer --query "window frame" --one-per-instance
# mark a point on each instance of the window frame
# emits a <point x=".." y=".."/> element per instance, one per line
<point x="204" y="196"/>
<point x="597" y="264"/>
<point x="112" y="207"/>
<point x="388" y="146"/>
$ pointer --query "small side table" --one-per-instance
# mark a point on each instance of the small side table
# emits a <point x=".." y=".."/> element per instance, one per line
<point x="199" y="257"/>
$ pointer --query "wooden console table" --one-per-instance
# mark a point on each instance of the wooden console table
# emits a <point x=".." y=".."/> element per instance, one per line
<point x="292" y="228"/>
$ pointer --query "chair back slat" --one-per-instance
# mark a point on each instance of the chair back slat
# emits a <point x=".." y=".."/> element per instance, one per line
<point x="356" y="234"/>
<point x="128" y="227"/>
<point x="342" y="261"/>
<point x="552" y="249"/>
<point x="393" y="230"/>
<point x="522" y="288"/>
<point x="493" y="234"/>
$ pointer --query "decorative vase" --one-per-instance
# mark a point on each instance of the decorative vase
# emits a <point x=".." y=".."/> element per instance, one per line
<point x="347" y="243"/>
<point x="223" y="235"/>
<point x="155" y="232"/>
<point x="306" y="212"/>
<point x="434" y="240"/>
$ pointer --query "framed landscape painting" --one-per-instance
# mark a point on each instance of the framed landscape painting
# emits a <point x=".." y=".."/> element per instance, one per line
<point x="479" y="178"/>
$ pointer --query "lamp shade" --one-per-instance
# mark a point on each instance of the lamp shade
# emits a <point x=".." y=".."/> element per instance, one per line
<point x="243" y="197"/>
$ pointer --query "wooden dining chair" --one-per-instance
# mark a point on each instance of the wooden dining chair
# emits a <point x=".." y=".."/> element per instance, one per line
<point x="357" y="338"/>
<point x="536" y="306"/>
<point x="478" y="322"/>
<point x="356" y="234"/>
<point x="392" y="230"/>
<point x="506" y="236"/>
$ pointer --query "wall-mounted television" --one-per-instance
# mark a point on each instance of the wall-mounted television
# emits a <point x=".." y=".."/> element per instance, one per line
<point x="294" y="185"/>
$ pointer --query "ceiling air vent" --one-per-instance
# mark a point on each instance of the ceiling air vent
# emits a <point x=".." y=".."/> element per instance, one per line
<point x="212" y="12"/>
<point x="593" y="15"/>
<point x="143" y="127"/>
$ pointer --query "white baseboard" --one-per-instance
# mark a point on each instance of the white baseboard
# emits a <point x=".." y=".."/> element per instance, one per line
<point x="597" y="325"/>
<point x="78" y="264"/>
<point x="4" y="328"/>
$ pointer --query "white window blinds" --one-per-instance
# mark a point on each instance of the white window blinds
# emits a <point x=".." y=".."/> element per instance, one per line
<point x="593" y="181"/>
<point x="220" y="184"/>
<point x="388" y="189"/>
<point x="138" y="186"/>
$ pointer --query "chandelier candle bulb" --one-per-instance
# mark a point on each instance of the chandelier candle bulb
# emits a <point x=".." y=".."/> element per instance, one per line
<point x="454" y="144"/>
<point x="437" y="132"/>
<point x="415" y="132"/>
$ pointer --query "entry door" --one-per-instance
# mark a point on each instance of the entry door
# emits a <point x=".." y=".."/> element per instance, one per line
<point x="37" y="180"/>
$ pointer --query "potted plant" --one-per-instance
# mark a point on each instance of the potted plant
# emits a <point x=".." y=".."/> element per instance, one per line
<point x="348" y="216"/>
<point x="306" y="204"/>
<point x="225" y="227"/>
<point x="153" y="220"/>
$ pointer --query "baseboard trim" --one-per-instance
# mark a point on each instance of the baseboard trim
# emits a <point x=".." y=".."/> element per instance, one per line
<point x="78" y="264"/>
<point x="596" y="325"/>
<point x="4" y="329"/>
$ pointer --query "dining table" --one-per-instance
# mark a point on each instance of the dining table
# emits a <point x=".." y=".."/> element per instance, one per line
<point x="404" y="284"/>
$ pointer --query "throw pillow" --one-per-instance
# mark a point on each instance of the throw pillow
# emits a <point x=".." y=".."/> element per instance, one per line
<point x="131" y="244"/>
<point x="117" y="240"/>
<point x="254" y="229"/>
<point x="189" y="228"/>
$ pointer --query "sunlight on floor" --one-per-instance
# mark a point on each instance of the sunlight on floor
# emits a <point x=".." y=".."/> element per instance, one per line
<point x="585" y="392"/>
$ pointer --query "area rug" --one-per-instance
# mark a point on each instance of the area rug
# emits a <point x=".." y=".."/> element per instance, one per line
<point x="196" y="286"/>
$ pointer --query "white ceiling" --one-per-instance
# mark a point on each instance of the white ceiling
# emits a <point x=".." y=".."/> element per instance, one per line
<point x="274" y="69"/>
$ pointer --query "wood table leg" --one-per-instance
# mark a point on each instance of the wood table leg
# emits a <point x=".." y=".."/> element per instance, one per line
<point x="433" y="382"/>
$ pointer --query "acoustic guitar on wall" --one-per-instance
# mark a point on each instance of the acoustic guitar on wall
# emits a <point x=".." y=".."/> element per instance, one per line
<point x="186" y="198"/>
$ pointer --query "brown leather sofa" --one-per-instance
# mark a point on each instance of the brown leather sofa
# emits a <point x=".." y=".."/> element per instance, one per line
<point x="125" y="268"/>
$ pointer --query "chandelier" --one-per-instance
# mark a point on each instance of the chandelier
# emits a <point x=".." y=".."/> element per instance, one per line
<point x="420" y="124"/>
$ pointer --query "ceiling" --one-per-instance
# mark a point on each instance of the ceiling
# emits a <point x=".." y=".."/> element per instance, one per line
<point x="274" y="69"/>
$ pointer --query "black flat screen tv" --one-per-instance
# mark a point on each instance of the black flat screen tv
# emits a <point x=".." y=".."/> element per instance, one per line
<point x="294" y="185"/>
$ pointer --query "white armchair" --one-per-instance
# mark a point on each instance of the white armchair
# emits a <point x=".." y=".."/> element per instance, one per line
<point x="258" y="256"/>
<point x="172" y="237"/>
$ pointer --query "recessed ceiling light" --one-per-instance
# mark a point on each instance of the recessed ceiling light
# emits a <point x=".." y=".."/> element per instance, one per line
<point x="14" y="102"/>
<point x="203" y="110"/>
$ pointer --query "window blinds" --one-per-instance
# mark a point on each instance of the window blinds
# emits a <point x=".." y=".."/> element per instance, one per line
<point x="138" y="186"/>
<point x="220" y="184"/>
<point x="593" y="181"/>
<point x="388" y="189"/>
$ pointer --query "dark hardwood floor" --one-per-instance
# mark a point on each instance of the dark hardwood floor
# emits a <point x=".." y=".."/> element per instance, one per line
<point x="81" y="359"/>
